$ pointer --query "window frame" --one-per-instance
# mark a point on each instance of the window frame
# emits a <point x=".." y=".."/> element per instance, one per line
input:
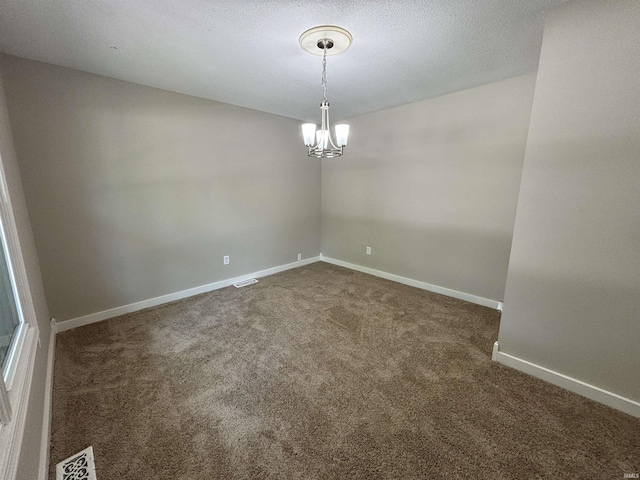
<point x="18" y="369"/>
<point x="12" y="359"/>
<point x="13" y="355"/>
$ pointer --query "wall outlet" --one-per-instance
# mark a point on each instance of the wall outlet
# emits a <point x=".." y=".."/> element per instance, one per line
<point x="299" y="256"/>
<point x="368" y="250"/>
<point x="225" y="260"/>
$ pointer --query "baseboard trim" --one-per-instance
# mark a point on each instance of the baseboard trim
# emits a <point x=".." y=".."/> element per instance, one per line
<point x="45" y="442"/>
<point x="574" y="385"/>
<point x="485" y="302"/>
<point x="494" y="352"/>
<point x="171" y="297"/>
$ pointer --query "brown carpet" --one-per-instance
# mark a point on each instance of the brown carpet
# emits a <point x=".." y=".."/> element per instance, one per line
<point x="318" y="373"/>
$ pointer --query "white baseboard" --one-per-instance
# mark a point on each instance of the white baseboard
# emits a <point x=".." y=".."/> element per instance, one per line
<point x="485" y="302"/>
<point x="494" y="353"/>
<point x="171" y="297"/>
<point x="569" y="383"/>
<point x="46" y="416"/>
<point x="133" y="307"/>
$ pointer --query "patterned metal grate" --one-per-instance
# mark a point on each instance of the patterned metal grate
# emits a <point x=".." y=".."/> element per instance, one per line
<point x="80" y="466"/>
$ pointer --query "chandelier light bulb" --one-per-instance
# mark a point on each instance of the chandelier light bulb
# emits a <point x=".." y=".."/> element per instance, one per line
<point x="308" y="133"/>
<point x="342" y="134"/>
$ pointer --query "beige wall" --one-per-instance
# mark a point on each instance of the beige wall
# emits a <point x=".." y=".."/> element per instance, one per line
<point x="573" y="288"/>
<point x="136" y="192"/>
<point x="432" y="188"/>
<point x="30" y="452"/>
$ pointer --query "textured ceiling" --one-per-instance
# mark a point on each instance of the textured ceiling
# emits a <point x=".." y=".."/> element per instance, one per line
<point x="246" y="52"/>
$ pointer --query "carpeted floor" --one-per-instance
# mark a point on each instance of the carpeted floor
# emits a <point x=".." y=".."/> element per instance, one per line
<point x="319" y="373"/>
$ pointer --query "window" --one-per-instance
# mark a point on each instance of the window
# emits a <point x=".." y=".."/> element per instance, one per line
<point x="11" y="319"/>
<point x="12" y="327"/>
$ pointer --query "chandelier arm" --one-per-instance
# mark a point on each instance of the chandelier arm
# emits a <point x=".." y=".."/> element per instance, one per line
<point x="325" y="116"/>
<point x="333" y="145"/>
<point x="326" y="126"/>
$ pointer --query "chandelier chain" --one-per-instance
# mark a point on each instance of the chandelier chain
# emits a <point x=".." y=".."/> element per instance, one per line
<point x="324" y="74"/>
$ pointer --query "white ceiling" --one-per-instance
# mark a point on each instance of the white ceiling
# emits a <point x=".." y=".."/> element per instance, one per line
<point x="246" y="52"/>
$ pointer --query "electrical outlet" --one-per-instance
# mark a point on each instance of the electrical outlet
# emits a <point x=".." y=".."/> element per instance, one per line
<point x="299" y="256"/>
<point x="225" y="260"/>
<point x="368" y="250"/>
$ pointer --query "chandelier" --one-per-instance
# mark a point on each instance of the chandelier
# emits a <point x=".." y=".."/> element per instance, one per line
<point x="325" y="40"/>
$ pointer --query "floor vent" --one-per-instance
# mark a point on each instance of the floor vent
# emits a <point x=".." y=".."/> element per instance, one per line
<point x="244" y="283"/>
<point x="80" y="466"/>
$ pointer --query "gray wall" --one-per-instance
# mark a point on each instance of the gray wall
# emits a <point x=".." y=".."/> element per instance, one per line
<point x="30" y="453"/>
<point x="573" y="288"/>
<point x="432" y="188"/>
<point x="136" y="192"/>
